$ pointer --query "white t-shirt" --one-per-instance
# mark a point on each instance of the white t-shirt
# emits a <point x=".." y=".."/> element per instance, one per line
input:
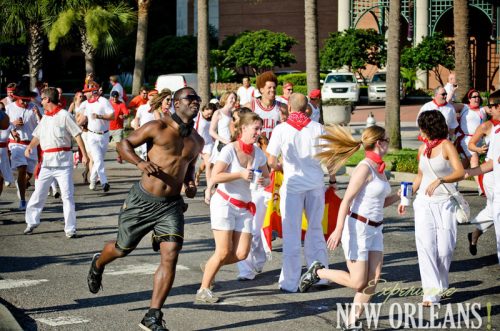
<point x="202" y="126"/>
<point x="57" y="131"/>
<point x="270" y="116"/>
<point x="30" y="121"/>
<point x="101" y="106"/>
<point x="281" y="99"/>
<point x="245" y="94"/>
<point x="494" y="154"/>
<point x="449" y="89"/>
<point x="118" y="88"/>
<point x="239" y="188"/>
<point x="315" y="113"/>
<point x="447" y="110"/>
<point x="470" y="119"/>
<point x="302" y="171"/>
<point x="144" y="115"/>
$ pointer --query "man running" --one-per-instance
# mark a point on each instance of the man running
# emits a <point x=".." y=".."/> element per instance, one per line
<point x="154" y="203"/>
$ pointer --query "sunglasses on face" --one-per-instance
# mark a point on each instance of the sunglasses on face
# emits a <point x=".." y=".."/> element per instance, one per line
<point x="191" y="98"/>
<point x="387" y="140"/>
<point x="493" y="105"/>
<point x="474" y="97"/>
<point x="444" y="94"/>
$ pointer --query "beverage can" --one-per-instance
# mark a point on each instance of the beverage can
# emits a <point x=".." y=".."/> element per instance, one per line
<point x="257" y="173"/>
<point x="406" y="193"/>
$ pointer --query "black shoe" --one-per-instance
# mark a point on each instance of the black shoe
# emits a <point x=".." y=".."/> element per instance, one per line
<point x="472" y="247"/>
<point x="94" y="279"/>
<point x="153" y="323"/>
<point x="310" y="277"/>
<point x="105" y="187"/>
<point x="354" y="327"/>
<point x="57" y="195"/>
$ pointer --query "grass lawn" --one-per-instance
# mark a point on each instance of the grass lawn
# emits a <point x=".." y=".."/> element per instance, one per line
<point x="388" y="158"/>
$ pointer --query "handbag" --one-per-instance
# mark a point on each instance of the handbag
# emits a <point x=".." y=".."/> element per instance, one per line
<point x="220" y="146"/>
<point x="462" y="206"/>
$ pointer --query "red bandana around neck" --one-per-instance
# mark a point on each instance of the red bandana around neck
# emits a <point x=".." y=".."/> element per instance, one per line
<point x="245" y="148"/>
<point x="298" y="120"/>
<point x="439" y="104"/>
<point x="430" y="144"/>
<point x="473" y="107"/>
<point x="377" y="159"/>
<point x="53" y="112"/>
<point x="93" y="99"/>
<point x="494" y="122"/>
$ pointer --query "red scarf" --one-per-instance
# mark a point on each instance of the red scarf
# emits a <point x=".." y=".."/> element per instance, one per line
<point x="245" y="148"/>
<point x="474" y="107"/>
<point x="92" y="99"/>
<point x="377" y="159"/>
<point x="53" y="112"/>
<point x="494" y="122"/>
<point x="439" y="105"/>
<point x="430" y="144"/>
<point x="298" y="120"/>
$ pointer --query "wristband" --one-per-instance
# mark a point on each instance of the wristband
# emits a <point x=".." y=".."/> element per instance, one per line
<point x="441" y="180"/>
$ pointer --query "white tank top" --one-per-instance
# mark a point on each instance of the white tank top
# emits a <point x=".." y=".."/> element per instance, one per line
<point x="223" y="126"/>
<point x="270" y="115"/>
<point x="442" y="168"/>
<point x="470" y="119"/>
<point x="370" y="200"/>
<point x="202" y="126"/>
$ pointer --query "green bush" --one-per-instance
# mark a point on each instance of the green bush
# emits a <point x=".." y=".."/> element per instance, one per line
<point x="296" y="89"/>
<point x="296" y="79"/>
<point x="405" y="163"/>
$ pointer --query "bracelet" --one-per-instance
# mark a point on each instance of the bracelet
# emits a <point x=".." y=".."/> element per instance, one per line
<point x="332" y="182"/>
<point x="441" y="180"/>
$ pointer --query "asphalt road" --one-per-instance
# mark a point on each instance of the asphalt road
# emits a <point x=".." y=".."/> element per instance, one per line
<point x="43" y="276"/>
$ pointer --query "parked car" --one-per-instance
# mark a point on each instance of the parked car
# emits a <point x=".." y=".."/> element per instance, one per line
<point x="340" y="85"/>
<point x="175" y="82"/>
<point x="377" y="87"/>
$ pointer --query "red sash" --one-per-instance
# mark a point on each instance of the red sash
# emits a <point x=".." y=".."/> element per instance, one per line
<point x="38" y="167"/>
<point x="21" y="142"/>
<point x="250" y="206"/>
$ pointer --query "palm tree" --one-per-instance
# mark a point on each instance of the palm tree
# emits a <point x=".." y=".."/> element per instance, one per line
<point x="311" y="43"/>
<point x="462" y="51"/>
<point x="25" y="19"/>
<point x="140" y="45"/>
<point x="97" y="22"/>
<point x="203" y="52"/>
<point x="392" y="118"/>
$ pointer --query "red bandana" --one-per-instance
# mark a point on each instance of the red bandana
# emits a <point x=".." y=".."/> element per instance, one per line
<point x="494" y="122"/>
<point x="298" y="120"/>
<point x="53" y="112"/>
<point x="473" y="107"/>
<point x="245" y="148"/>
<point x="92" y="99"/>
<point x="439" y="105"/>
<point x="377" y="159"/>
<point x="430" y="144"/>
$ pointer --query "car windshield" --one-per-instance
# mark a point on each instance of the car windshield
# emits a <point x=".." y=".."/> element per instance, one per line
<point x="378" y="78"/>
<point x="340" y="79"/>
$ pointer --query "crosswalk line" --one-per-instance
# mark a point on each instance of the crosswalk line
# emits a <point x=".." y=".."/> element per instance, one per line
<point x="141" y="269"/>
<point x="6" y="284"/>
<point x="62" y="320"/>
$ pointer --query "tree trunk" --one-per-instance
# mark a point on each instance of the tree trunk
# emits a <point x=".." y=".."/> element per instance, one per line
<point x="311" y="43"/>
<point x="203" y="62"/>
<point x="89" y="51"/>
<point x="140" y="45"/>
<point x="35" y="52"/>
<point x="392" y="115"/>
<point x="462" y="51"/>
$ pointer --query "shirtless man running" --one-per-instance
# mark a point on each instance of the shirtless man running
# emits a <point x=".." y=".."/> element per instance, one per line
<point x="154" y="203"/>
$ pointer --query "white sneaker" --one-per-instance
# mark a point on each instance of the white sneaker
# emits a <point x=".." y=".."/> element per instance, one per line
<point x="92" y="186"/>
<point x="22" y="205"/>
<point x="29" y="229"/>
<point x="204" y="295"/>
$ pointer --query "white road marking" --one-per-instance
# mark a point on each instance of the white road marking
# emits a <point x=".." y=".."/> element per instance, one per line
<point x="63" y="320"/>
<point x="231" y="302"/>
<point x="141" y="269"/>
<point x="6" y="284"/>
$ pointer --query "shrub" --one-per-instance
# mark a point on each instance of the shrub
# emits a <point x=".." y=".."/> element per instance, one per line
<point x="296" y="89"/>
<point x="405" y="163"/>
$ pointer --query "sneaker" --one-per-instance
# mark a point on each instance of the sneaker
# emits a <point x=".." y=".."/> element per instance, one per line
<point x="204" y="295"/>
<point x="57" y="195"/>
<point x="29" y="229"/>
<point x="310" y="277"/>
<point x="94" y="279"/>
<point x="71" y="235"/>
<point x="105" y="187"/>
<point x="354" y="327"/>
<point x="22" y="205"/>
<point x="92" y="186"/>
<point x="153" y="323"/>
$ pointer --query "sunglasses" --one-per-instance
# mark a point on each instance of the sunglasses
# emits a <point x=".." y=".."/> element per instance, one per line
<point x="474" y="97"/>
<point x="444" y="94"/>
<point x="191" y="98"/>
<point x="387" y="140"/>
<point x="493" y="105"/>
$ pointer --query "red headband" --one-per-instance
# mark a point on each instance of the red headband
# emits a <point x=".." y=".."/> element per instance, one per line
<point x="472" y="91"/>
<point x="90" y="89"/>
<point x="152" y="92"/>
<point x="22" y="98"/>
<point x="11" y="89"/>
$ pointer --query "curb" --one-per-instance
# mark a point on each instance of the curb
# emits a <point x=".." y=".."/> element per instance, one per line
<point x="7" y="321"/>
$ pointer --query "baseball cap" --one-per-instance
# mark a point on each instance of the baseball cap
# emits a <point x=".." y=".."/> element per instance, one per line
<point x="315" y="94"/>
<point x="115" y="94"/>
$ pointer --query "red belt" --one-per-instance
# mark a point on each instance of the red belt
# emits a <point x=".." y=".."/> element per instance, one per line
<point x="56" y="149"/>
<point x="365" y="220"/>
<point x="250" y="206"/>
<point x="22" y="142"/>
<point x="4" y="144"/>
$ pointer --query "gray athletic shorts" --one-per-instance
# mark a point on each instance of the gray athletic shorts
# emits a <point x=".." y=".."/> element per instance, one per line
<point x="142" y="212"/>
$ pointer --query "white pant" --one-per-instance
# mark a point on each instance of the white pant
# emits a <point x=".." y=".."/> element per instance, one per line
<point x="64" y="177"/>
<point x="291" y="207"/>
<point x="257" y="256"/>
<point x="5" y="170"/>
<point x="98" y="145"/>
<point x="436" y="237"/>
<point x="484" y="219"/>
<point x="496" y="222"/>
<point x="18" y="159"/>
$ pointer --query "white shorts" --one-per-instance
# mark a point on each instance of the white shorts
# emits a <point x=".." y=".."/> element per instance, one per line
<point x="18" y="159"/>
<point x="227" y="217"/>
<point x="207" y="149"/>
<point x="465" y="146"/>
<point x="359" y="238"/>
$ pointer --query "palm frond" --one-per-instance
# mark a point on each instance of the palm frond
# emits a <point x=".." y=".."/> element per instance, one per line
<point x="61" y="27"/>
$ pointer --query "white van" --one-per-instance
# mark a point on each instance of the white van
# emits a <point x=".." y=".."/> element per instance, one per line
<point x="175" y="82"/>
